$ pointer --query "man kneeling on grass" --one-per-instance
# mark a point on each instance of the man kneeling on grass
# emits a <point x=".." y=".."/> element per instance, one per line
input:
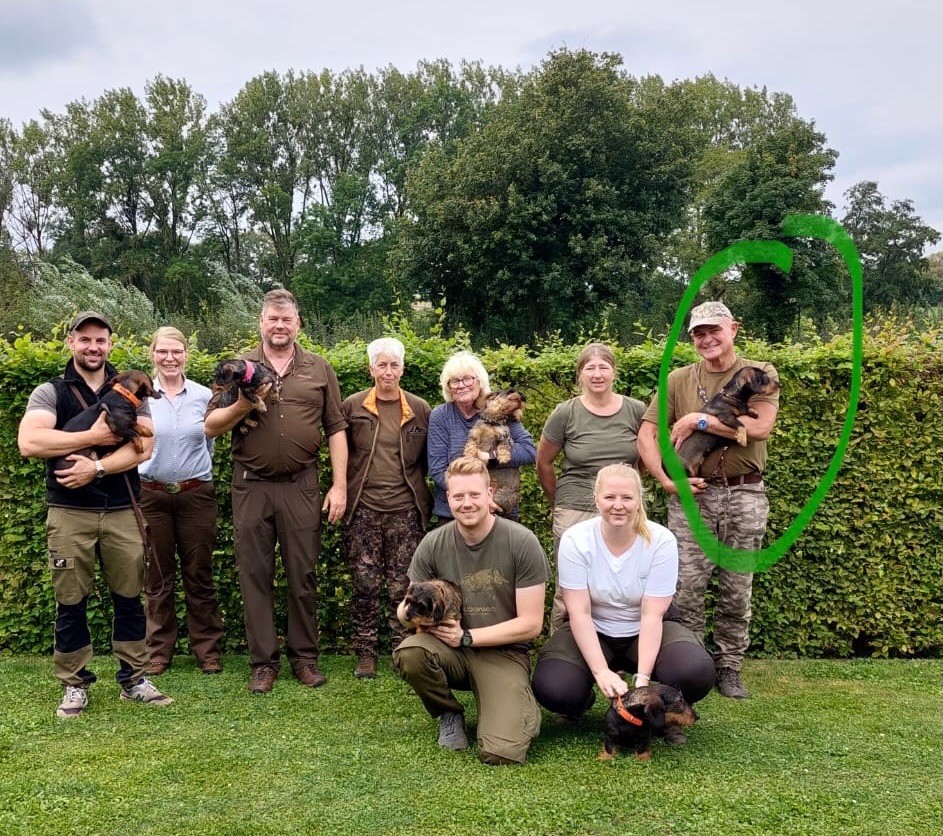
<point x="501" y="570"/>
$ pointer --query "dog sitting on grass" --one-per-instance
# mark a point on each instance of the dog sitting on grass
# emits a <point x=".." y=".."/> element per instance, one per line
<point x="727" y="406"/>
<point x="255" y="380"/>
<point x="634" y="717"/>
<point x="492" y="435"/>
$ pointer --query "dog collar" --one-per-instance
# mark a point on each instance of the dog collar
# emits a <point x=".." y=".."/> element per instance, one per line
<point x="128" y="396"/>
<point x="624" y="714"/>
<point x="250" y="370"/>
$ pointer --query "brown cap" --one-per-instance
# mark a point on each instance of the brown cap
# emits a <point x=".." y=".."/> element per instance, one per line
<point x="709" y="313"/>
<point x="89" y="316"/>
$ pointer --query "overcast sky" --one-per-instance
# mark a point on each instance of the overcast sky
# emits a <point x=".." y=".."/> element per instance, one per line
<point x="868" y="72"/>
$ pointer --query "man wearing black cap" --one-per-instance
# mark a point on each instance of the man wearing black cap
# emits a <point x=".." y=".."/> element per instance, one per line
<point x="729" y="487"/>
<point x="90" y="517"/>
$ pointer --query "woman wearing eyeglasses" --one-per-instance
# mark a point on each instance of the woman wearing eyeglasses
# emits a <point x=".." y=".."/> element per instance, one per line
<point x="464" y="380"/>
<point x="179" y="503"/>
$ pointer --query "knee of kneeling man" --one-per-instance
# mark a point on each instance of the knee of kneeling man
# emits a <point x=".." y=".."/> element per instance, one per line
<point x="410" y="658"/>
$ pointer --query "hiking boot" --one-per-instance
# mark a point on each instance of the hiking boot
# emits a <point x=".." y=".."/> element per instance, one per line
<point x="730" y="684"/>
<point x="310" y="675"/>
<point x="263" y="679"/>
<point x="366" y="668"/>
<point x="452" y="731"/>
<point x="211" y="667"/>
<point x="74" y="702"/>
<point x="146" y="692"/>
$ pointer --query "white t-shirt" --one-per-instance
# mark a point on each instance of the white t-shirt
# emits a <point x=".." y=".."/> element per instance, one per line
<point x="616" y="583"/>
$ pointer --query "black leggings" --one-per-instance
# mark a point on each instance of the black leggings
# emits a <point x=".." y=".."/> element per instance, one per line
<point x="565" y="688"/>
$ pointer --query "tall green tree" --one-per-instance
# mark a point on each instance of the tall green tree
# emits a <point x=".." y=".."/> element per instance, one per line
<point x="891" y="240"/>
<point x="782" y="173"/>
<point x="552" y="211"/>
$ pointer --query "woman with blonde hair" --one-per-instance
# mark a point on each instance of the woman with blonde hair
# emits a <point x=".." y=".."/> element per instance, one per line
<point x="179" y="503"/>
<point x="618" y="573"/>
<point x="464" y="382"/>
<point x="596" y="428"/>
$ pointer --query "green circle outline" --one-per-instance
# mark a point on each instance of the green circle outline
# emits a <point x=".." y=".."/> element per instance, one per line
<point x="777" y="253"/>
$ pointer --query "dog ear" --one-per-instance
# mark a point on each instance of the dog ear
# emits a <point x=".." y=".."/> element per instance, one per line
<point x="655" y="713"/>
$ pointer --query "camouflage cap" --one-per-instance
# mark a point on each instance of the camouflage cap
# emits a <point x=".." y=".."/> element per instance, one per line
<point x="89" y="316"/>
<point x="709" y="313"/>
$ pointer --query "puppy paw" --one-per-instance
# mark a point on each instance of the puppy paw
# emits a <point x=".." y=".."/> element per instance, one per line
<point x="742" y="435"/>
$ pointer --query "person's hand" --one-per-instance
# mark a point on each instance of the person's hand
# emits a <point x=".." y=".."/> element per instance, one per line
<point x="698" y="485"/>
<point x="335" y="503"/>
<point x="683" y="427"/>
<point x="494" y="507"/>
<point x="81" y="473"/>
<point x="102" y="436"/>
<point x="611" y="684"/>
<point x="449" y="631"/>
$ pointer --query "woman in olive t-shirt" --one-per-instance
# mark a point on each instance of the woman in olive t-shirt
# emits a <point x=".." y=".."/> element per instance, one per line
<point x="597" y="428"/>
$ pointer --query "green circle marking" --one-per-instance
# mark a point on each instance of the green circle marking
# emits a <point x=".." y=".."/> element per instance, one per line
<point x="763" y="252"/>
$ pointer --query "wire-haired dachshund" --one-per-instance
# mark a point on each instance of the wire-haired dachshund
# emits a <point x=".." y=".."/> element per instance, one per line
<point x="727" y="405"/>
<point x="119" y="399"/>
<point x="634" y="717"/>
<point x="254" y="380"/>
<point x="492" y="435"/>
<point x="429" y="603"/>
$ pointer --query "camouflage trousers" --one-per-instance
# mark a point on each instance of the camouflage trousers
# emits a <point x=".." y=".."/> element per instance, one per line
<point x="737" y="518"/>
<point x="379" y="547"/>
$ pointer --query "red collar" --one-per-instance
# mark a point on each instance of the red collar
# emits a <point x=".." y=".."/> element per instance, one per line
<point x="128" y="396"/>
<point x="624" y="714"/>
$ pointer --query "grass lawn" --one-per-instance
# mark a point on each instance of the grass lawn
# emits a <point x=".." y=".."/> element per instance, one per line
<point x="823" y="747"/>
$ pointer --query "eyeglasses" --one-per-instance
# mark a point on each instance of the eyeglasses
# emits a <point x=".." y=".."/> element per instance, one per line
<point x="458" y="382"/>
<point x="169" y="352"/>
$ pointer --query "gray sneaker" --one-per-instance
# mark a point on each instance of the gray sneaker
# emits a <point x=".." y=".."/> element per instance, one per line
<point x="452" y="731"/>
<point x="730" y="684"/>
<point x="74" y="702"/>
<point x="145" y="691"/>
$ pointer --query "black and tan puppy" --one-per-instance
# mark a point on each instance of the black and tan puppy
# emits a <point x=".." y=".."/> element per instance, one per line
<point x="727" y="405"/>
<point x="634" y="717"/>
<point x="254" y="380"/>
<point x="120" y="398"/>
<point x="492" y="435"/>
<point x="428" y="603"/>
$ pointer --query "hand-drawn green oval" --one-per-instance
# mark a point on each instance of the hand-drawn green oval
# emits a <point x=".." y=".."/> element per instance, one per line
<point x="769" y="252"/>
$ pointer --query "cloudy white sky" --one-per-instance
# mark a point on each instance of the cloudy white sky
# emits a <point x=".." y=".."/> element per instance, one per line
<point x="868" y="72"/>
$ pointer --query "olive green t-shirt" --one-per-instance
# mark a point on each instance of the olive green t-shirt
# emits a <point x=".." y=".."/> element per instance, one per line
<point x="590" y="442"/>
<point x="386" y="488"/>
<point x="488" y="573"/>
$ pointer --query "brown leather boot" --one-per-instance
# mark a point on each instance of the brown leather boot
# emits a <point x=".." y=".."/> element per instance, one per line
<point x="366" y="668"/>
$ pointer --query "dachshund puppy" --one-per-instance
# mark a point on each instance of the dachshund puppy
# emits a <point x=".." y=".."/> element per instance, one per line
<point x="120" y="398"/>
<point x="728" y="404"/>
<point x="254" y="380"/>
<point x="492" y="435"/>
<point x="634" y="717"/>
<point x="428" y="603"/>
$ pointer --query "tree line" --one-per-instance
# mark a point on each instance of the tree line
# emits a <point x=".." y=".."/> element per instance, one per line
<point x="521" y="203"/>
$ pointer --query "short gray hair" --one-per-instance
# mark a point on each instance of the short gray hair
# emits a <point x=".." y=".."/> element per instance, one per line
<point x="461" y="364"/>
<point x="390" y="346"/>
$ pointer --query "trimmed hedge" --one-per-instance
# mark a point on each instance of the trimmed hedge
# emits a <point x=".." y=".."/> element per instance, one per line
<point x="863" y="579"/>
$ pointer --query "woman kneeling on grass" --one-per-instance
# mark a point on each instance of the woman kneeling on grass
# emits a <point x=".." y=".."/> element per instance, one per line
<point x="618" y="573"/>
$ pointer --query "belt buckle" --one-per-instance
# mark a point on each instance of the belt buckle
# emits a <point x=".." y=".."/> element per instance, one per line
<point x="172" y="487"/>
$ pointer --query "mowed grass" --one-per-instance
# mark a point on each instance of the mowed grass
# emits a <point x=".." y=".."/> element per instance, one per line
<point x="823" y="747"/>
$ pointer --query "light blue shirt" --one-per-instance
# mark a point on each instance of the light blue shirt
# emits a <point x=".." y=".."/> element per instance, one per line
<point x="181" y="450"/>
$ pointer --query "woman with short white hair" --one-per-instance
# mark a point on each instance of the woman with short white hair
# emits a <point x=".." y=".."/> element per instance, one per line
<point x="465" y="382"/>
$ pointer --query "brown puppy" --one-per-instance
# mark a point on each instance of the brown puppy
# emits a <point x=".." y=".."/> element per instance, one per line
<point x="428" y="603"/>
<point x="633" y="718"/>
<point x="119" y="399"/>
<point x="492" y="435"/>
<point x="727" y="405"/>
<point x="255" y="380"/>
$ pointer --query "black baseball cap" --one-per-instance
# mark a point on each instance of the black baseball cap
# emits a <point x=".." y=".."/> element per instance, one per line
<point x="90" y="316"/>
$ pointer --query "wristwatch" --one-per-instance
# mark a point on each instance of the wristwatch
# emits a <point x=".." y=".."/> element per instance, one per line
<point x="99" y="469"/>
<point x="467" y="638"/>
<point x="702" y="423"/>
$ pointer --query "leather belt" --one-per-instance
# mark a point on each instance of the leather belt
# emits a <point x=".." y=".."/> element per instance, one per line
<point x="733" y="481"/>
<point x="172" y="487"/>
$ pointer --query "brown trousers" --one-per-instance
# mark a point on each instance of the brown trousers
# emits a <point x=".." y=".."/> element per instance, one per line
<point x="185" y="524"/>
<point x="286" y="513"/>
